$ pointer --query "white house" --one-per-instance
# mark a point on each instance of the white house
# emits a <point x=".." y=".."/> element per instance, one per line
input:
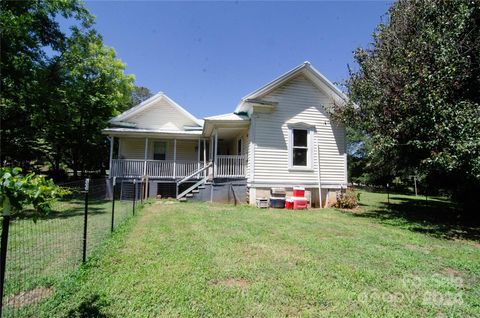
<point x="278" y="136"/>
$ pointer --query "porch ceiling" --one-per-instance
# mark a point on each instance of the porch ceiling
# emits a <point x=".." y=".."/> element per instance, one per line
<point x="230" y="133"/>
<point x="210" y="125"/>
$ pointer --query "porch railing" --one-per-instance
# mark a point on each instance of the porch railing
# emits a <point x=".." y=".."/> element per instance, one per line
<point x="232" y="166"/>
<point x="132" y="168"/>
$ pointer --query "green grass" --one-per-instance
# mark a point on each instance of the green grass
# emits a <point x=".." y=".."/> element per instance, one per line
<point x="42" y="253"/>
<point x="208" y="260"/>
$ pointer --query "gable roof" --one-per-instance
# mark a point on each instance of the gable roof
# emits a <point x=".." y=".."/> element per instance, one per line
<point x="308" y="71"/>
<point x="146" y="104"/>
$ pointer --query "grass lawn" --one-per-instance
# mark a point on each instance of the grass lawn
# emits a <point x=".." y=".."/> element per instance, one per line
<point x="42" y="254"/>
<point x="201" y="259"/>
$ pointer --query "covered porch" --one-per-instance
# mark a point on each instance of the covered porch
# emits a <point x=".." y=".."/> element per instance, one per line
<point x="229" y="139"/>
<point x="170" y="158"/>
<point x="157" y="157"/>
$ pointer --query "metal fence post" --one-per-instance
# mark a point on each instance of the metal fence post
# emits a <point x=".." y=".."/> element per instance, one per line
<point x="134" y="194"/>
<point x="388" y="194"/>
<point x="3" y="248"/>
<point x="85" y="221"/>
<point x="142" y="191"/>
<point x="113" y="201"/>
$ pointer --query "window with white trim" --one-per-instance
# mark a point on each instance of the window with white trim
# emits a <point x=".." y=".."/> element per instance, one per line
<point x="300" y="148"/>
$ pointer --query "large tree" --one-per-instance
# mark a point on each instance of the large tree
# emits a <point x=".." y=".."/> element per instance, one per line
<point x="87" y="87"/>
<point x="416" y="93"/>
<point x="58" y="89"/>
<point x="28" y="29"/>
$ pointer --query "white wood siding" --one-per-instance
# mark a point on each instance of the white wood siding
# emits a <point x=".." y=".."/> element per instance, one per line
<point x="134" y="148"/>
<point x="131" y="148"/>
<point x="162" y="115"/>
<point x="298" y="101"/>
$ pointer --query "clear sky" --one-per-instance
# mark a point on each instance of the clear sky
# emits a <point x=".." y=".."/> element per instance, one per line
<point x="207" y="55"/>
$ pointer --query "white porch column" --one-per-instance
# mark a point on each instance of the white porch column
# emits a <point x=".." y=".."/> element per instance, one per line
<point x="145" y="157"/>
<point x="210" y="151"/>
<point x="174" y="158"/>
<point x="112" y="141"/>
<point x="198" y="154"/>
<point x="215" y="154"/>
<point x="204" y="157"/>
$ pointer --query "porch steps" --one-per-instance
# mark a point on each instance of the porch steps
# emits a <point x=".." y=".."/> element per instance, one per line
<point x="194" y="193"/>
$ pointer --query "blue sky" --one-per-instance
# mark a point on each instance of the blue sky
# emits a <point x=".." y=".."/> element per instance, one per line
<point x="208" y="55"/>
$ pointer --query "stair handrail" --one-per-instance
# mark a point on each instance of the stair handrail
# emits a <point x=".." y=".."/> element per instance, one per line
<point x="184" y="193"/>
<point x="195" y="173"/>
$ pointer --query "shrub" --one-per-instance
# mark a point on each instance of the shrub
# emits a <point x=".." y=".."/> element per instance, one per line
<point x="347" y="200"/>
<point x="18" y="190"/>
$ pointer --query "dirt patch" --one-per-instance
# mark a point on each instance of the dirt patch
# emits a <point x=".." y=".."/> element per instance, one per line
<point x="231" y="282"/>
<point x="29" y="297"/>
<point x="452" y="272"/>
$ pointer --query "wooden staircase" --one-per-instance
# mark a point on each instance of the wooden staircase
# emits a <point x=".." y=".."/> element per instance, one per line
<point x="195" y="188"/>
<point x="191" y="194"/>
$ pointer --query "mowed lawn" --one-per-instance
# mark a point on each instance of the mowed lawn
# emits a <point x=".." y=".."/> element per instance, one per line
<point x="42" y="253"/>
<point x="211" y="260"/>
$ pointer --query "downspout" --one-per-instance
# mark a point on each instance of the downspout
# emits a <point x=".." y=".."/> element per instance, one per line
<point x="319" y="173"/>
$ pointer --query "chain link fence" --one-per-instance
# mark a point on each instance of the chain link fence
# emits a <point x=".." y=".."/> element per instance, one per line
<point x="39" y="253"/>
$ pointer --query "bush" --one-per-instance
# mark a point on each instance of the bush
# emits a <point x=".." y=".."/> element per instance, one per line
<point x="18" y="190"/>
<point x="347" y="200"/>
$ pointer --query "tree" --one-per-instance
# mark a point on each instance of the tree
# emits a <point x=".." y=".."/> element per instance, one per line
<point x="27" y="28"/>
<point x="55" y="105"/>
<point x="415" y="93"/>
<point x="97" y="89"/>
<point x="140" y="94"/>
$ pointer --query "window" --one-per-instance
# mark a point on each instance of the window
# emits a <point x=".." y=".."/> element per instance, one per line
<point x="159" y="150"/>
<point x="300" y="147"/>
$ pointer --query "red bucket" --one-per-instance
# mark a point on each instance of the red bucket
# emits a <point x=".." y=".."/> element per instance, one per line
<point x="299" y="192"/>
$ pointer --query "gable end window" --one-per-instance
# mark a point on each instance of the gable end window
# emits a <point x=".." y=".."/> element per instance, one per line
<point x="300" y="151"/>
<point x="159" y="150"/>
